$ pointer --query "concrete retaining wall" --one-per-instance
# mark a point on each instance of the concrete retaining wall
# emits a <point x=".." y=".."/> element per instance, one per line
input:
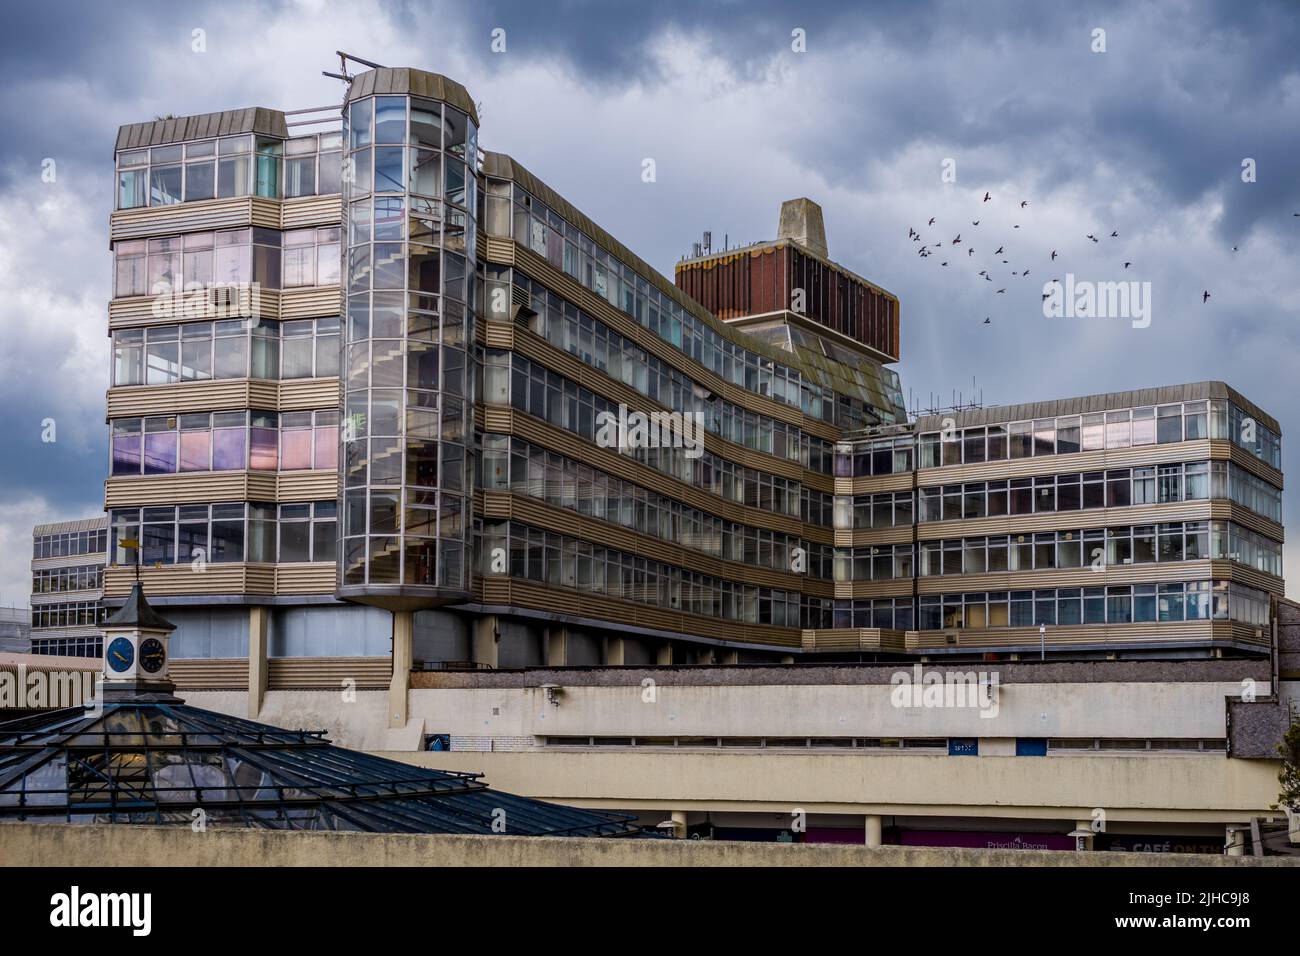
<point x="26" y="844"/>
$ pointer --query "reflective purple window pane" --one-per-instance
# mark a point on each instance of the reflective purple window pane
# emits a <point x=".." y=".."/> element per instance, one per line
<point x="227" y="449"/>
<point x="126" y="455"/>
<point x="263" y="455"/>
<point x="160" y="453"/>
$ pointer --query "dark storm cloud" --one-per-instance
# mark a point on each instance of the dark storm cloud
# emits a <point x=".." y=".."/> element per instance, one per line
<point x="1143" y="134"/>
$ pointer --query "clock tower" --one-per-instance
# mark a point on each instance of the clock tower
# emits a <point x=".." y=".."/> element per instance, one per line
<point x="136" y="655"/>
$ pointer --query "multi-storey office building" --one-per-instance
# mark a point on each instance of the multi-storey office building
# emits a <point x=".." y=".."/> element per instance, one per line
<point x="68" y="559"/>
<point x="411" y="394"/>
<point x="383" y="401"/>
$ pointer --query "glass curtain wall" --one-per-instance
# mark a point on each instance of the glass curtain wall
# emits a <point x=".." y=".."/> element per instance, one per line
<point x="409" y="201"/>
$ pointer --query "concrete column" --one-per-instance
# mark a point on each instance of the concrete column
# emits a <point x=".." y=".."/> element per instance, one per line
<point x="400" y="683"/>
<point x="613" y="652"/>
<point x="487" y="640"/>
<point x="873" y="830"/>
<point x="258" y="670"/>
<point x="679" y="824"/>
<point x="730" y="657"/>
<point x="664" y="654"/>
<point x="1089" y="842"/>
<point x="557" y="646"/>
<point x="1235" y="836"/>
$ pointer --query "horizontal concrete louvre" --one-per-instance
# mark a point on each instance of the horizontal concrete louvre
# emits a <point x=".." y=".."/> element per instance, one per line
<point x="140" y="310"/>
<point x="192" y="488"/>
<point x="497" y="335"/>
<point x="188" y="217"/>
<point x="1063" y="464"/>
<point x="1070" y="520"/>
<point x="854" y="639"/>
<point x="893" y="587"/>
<point x="499" y="249"/>
<point x="1231" y="511"/>
<point x="867" y="484"/>
<point x="306" y="578"/>
<point x="307" y="485"/>
<point x="309" y="302"/>
<point x="226" y="214"/>
<point x="321" y="673"/>
<point x="1093" y="634"/>
<point x="1215" y="449"/>
<point x="311" y="211"/>
<point x="499" y="504"/>
<point x="541" y="270"/>
<point x="1238" y="455"/>
<point x="510" y="422"/>
<point x="865" y="537"/>
<point x="303" y="393"/>
<point x="528" y="594"/>
<point x="174" y="580"/>
<point x="223" y="395"/>
<point x="209" y="673"/>
<point x="1075" y="577"/>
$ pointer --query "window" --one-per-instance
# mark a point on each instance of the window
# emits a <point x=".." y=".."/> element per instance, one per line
<point x="231" y="257"/>
<point x="311" y="257"/>
<point x="307" y="532"/>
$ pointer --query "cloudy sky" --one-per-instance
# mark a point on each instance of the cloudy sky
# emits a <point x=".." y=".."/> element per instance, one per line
<point x="1146" y="139"/>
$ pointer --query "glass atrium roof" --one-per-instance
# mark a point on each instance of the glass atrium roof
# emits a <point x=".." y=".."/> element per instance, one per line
<point x="157" y="762"/>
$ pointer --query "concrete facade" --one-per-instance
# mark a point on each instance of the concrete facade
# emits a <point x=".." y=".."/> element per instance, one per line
<point x="24" y="844"/>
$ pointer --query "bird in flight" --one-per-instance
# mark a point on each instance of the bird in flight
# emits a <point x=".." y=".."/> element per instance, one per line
<point x="957" y="240"/>
<point x="1025" y="273"/>
<point x="997" y="251"/>
<point x="1127" y="264"/>
<point x="970" y="252"/>
<point x="1092" y="237"/>
<point x="931" y="222"/>
<point x="910" y="232"/>
<point x="987" y="320"/>
<point x="1053" y="255"/>
<point x="987" y="197"/>
<point x="975" y="222"/>
<point x="1205" y="296"/>
<point x="1024" y="203"/>
<point x="1000" y="291"/>
<point x="1114" y="234"/>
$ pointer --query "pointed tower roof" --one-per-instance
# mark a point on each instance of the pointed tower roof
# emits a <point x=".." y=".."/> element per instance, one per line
<point x="137" y="612"/>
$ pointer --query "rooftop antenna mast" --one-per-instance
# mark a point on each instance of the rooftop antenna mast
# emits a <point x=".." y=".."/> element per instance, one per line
<point x="343" y="66"/>
<point x="959" y="403"/>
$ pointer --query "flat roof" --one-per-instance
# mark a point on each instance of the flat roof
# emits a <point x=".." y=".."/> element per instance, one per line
<point x="184" y="129"/>
<point x="77" y="524"/>
<point x="1107" y="401"/>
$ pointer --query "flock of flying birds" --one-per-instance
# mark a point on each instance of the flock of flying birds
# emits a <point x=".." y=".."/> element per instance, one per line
<point x="936" y="248"/>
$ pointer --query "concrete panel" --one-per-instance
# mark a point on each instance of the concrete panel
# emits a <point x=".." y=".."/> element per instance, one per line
<point x="26" y="844"/>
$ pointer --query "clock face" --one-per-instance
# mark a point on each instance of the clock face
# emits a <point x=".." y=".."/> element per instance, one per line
<point x="120" y="654"/>
<point x="152" y="655"/>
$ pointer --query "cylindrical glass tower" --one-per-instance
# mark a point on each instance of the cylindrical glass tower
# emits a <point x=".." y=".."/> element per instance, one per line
<point x="406" y="437"/>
